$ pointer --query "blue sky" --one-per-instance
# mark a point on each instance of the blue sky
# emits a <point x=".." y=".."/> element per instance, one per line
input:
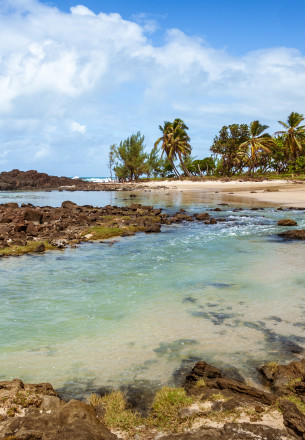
<point x="77" y="76"/>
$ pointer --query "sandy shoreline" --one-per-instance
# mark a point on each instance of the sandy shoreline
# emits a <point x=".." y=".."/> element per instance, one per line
<point x="278" y="192"/>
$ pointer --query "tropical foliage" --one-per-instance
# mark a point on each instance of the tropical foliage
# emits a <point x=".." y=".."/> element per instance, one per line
<point x="294" y="135"/>
<point x="238" y="149"/>
<point x="175" y="143"/>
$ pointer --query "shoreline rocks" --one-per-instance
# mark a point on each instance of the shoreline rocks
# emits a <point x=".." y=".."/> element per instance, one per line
<point x="30" y="228"/>
<point x="222" y="408"/>
<point x="295" y="234"/>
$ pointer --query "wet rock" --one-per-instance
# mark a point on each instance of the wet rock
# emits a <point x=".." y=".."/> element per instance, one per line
<point x="287" y="222"/>
<point x="68" y="205"/>
<point x="202" y="370"/>
<point x="295" y="234"/>
<point x="153" y="228"/>
<point x="40" y="248"/>
<point x="214" y="378"/>
<point x="202" y="216"/>
<point x="279" y="377"/>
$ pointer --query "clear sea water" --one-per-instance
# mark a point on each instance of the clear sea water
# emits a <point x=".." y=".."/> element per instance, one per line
<point x="137" y="310"/>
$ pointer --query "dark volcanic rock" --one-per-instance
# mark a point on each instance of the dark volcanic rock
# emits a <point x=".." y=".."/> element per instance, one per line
<point x="279" y="377"/>
<point x="202" y="216"/>
<point x="68" y="421"/>
<point x="214" y="379"/>
<point x="32" y="180"/>
<point x="202" y="370"/>
<point x="294" y="420"/>
<point x="44" y="416"/>
<point x="295" y="234"/>
<point x="287" y="222"/>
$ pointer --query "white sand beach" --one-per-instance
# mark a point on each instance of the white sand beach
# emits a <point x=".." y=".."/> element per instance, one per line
<point x="280" y="192"/>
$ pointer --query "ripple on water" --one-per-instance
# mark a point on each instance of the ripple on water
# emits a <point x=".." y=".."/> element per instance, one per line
<point x="150" y="305"/>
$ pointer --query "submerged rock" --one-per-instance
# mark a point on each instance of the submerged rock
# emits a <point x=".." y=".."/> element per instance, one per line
<point x="295" y="234"/>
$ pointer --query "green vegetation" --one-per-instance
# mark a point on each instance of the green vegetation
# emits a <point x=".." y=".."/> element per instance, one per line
<point x="200" y="383"/>
<point x="239" y="150"/>
<point x="273" y="366"/>
<point x="217" y="397"/>
<point x="166" y="406"/>
<point x="116" y="413"/>
<point x="175" y="143"/>
<point x="102" y="232"/>
<point x="291" y="384"/>
<point x="30" y="247"/>
<point x="129" y="159"/>
<point x="297" y="401"/>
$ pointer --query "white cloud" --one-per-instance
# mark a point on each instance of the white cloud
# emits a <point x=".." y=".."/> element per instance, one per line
<point x="102" y="70"/>
<point x="78" y="128"/>
<point x="81" y="10"/>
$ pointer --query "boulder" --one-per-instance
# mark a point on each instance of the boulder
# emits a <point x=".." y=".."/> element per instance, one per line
<point x="287" y="222"/>
<point x="33" y="215"/>
<point x="295" y="234"/>
<point x="279" y="377"/>
<point x="202" y="216"/>
<point x="154" y="227"/>
<point x="294" y="420"/>
<point x="40" y="248"/>
<point x="68" y="421"/>
<point x="68" y="205"/>
<point x="32" y="229"/>
<point x="213" y="378"/>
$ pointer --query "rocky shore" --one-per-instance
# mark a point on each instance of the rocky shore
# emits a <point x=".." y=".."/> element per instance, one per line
<point x="28" y="228"/>
<point x="210" y="405"/>
<point x="32" y="180"/>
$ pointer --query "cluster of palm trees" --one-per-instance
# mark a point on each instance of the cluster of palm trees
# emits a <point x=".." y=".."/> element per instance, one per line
<point x="176" y="142"/>
<point x="293" y="138"/>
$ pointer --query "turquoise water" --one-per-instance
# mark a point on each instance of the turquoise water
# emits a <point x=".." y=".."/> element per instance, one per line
<point x="107" y="314"/>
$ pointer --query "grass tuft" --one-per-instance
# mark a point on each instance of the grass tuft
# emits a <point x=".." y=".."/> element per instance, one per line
<point x="117" y="416"/>
<point x="200" y="383"/>
<point x="166" y="406"/>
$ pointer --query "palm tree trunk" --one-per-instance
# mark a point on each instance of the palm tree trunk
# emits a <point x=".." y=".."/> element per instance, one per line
<point x="174" y="168"/>
<point x="183" y="166"/>
<point x="202" y="175"/>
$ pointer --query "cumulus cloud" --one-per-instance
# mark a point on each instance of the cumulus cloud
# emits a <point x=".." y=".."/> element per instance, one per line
<point x="78" y="128"/>
<point x="105" y="71"/>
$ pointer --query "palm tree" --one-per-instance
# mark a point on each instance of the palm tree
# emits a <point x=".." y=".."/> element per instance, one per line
<point x="167" y="144"/>
<point x="175" y="142"/>
<point x="258" y="140"/>
<point x="294" y="135"/>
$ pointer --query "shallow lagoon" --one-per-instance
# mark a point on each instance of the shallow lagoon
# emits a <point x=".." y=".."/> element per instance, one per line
<point x="134" y="311"/>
